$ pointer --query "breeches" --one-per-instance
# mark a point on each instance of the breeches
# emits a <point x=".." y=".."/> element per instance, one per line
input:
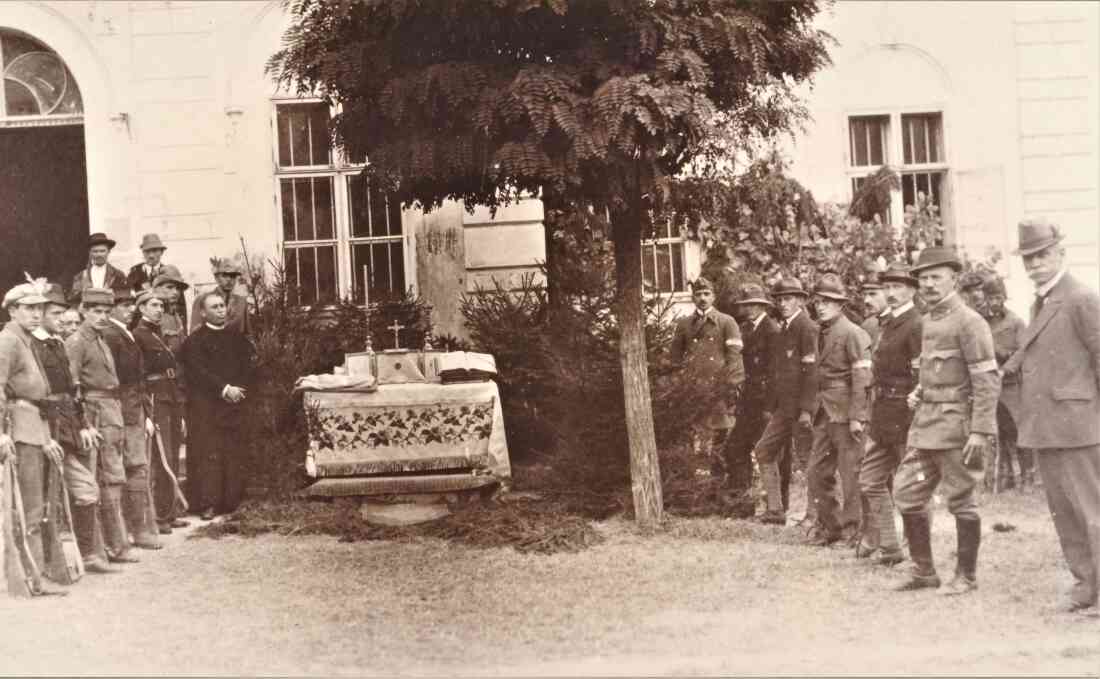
<point x="876" y="471"/>
<point x="921" y="471"/>
<point x="1071" y="479"/>
<point x="135" y="458"/>
<point x="79" y="470"/>
<point x="112" y="454"/>
<point x="31" y="467"/>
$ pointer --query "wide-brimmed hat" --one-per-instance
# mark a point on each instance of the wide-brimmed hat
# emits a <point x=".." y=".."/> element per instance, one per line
<point x="225" y="265"/>
<point x="55" y="295"/>
<point x="170" y="274"/>
<point x="151" y="241"/>
<point x="788" y="286"/>
<point x="897" y="272"/>
<point x="102" y="296"/>
<point x="1036" y="235"/>
<point x="751" y="293"/>
<point x="936" y="256"/>
<point x="31" y="292"/>
<point x="831" y="287"/>
<point x="100" y="238"/>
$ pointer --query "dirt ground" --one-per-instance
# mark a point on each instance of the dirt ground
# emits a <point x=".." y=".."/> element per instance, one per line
<point x="705" y="596"/>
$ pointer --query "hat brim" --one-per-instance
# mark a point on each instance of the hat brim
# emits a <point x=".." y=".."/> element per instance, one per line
<point x="832" y="296"/>
<point x="790" y="293"/>
<point x="755" y="300"/>
<point x="147" y="248"/>
<point x="907" y="280"/>
<point x="29" y="300"/>
<point x="103" y="241"/>
<point x="957" y="266"/>
<point x="179" y="284"/>
<point x="1047" y="244"/>
<point x="59" y="301"/>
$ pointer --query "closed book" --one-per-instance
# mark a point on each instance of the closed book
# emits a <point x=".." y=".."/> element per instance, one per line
<point x="465" y="366"/>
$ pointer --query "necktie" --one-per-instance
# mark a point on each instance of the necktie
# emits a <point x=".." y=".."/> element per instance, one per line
<point x="1039" y="299"/>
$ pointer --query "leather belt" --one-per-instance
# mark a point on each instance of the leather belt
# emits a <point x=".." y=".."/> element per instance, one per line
<point x="891" y="391"/>
<point x="169" y="374"/>
<point x="104" y="394"/>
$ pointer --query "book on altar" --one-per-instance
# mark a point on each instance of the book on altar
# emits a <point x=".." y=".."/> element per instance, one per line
<point x="465" y="366"/>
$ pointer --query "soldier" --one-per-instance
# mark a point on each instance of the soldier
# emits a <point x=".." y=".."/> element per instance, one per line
<point x="129" y="367"/>
<point x="169" y="286"/>
<point x="1008" y="334"/>
<point x="68" y="323"/>
<point x="99" y="273"/>
<point x="759" y="332"/>
<point x="93" y="368"/>
<point x="955" y="418"/>
<point x="840" y="411"/>
<point x="227" y="274"/>
<point x="970" y="288"/>
<point x="791" y="392"/>
<point x="142" y="275"/>
<point x="24" y="430"/>
<point x="895" y="363"/>
<point x="709" y="344"/>
<point x="874" y="303"/>
<point x="161" y="373"/>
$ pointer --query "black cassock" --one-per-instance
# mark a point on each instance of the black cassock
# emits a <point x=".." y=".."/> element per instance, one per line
<point x="215" y="450"/>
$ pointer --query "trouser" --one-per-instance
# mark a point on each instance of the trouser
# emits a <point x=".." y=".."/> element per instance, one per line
<point x="167" y="419"/>
<point x="774" y="453"/>
<point x="1009" y="451"/>
<point x="31" y="471"/>
<point x="834" y="449"/>
<point x="1071" y="480"/>
<point x="112" y="478"/>
<point x="80" y="468"/>
<point x="922" y="471"/>
<point x="876" y="476"/>
<point x="738" y="449"/>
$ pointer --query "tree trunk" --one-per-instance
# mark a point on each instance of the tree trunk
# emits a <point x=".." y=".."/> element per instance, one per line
<point x="645" y="473"/>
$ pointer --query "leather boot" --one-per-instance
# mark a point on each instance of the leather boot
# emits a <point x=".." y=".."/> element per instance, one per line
<point x="139" y="519"/>
<point x="889" y="552"/>
<point x="769" y="474"/>
<point x="918" y="530"/>
<point x="86" y="527"/>
<point x="969" y="536"/>
<point x="114" y="529"/>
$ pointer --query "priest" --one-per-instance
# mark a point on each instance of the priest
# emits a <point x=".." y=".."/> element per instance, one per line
<point x="219" y="363"/>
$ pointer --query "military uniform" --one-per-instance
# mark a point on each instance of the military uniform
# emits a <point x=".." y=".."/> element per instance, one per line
<point x="1008" y="335"/>
<point x="791" y="390"/>
<point x="843" y="364"/>
<point x="958" y="391"/>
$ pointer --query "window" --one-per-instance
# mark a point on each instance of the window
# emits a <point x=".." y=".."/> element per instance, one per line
<point x="663" y="262"/>
<point x="36" y="88"/>
<point x="914" y="139"/>
<point x="341" y="237"/>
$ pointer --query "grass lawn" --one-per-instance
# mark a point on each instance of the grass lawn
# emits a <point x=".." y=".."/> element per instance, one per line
<point x="703" y="596"/>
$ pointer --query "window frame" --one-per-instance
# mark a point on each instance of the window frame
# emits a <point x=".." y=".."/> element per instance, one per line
<point x="894" y="157"/>
<point x="342" y="173"/>
<point x="682" y="241"/>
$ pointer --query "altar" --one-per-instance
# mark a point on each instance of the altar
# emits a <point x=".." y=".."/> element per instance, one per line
<point x="387" y="423"/>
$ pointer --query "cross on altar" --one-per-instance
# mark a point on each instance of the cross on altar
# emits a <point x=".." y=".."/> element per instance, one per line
<point x="397" y="328"/>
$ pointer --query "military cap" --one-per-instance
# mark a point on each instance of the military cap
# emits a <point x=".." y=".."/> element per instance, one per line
<point x="897" y="272"/>
<point x="55" y="295"/>
<point x="170" y="274"/>
<point x="226" y="265"/>
<point x="151" y="241"/>
<point x="103" y="296"/>
<point x="788" y="286"/>
<point x="1036" y="235"/>
<point x="752" y="293"/>
<point x="831" y="287"/>
<point x="100" y="238"/>
<point x="936" y="256"/>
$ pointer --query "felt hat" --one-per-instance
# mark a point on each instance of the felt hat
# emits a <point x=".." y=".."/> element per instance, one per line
<point x="146" y="295"/>
<point x="701" y="283"/>
<point x="873" y="282"/>
<point x="831" y="287"/>
<point x="897" y="272"/>
<point x="170" y="274"/>
<point x="97" y="296"/>
<point x="31" y="292"/>
<point x="1037" y="235"/>
<point x="55" y="295"/>
<point x="151" y="241"/>
<point x="123" y="294"/>
<point x="971" y="281"/>
<point x="225" y="265"/>
<point x="936" y="256"/>
<point x="788" y="286"/>
<point x="994" y="285"/>
<point x="751" y="293"/>
<point x="100" y="238"/>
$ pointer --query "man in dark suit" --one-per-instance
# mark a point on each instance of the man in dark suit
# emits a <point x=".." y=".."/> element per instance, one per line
<point x="708" y="343"/>
<point x="142" y="275"/>
<point x="1059" y="368"/>
<point x="874" y="304"/>
<point x="758" y="331"/>
<point x="791" y="392"/>
<point x="99" y="273"/>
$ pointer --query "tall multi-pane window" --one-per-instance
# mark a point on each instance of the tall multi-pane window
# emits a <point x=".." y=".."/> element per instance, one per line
<point x="910" y="143"/>
<point x="341" y="237"/>
<point x="663" y="261"/>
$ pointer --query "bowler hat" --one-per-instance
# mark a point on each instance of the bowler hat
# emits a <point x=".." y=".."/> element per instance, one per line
<point x="1037" y="235"/>
<point x="830" y="286"/>
<point x="752" y="293"/>
<point x="897" y="272"/>
<point x="100" y="238"/>
<point x="936" y="256"/>
<point x="151" y="241"/>
<point x="788" y="286"/>
<point x="55" y="295"/>
<point x="701" y="283"/>
<point x="228" y="266"/>
<point x="170" y="274"/>
<point x="97" y="296"/>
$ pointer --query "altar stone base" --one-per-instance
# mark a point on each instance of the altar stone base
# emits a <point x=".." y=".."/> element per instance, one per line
<point x="402" y="514"/>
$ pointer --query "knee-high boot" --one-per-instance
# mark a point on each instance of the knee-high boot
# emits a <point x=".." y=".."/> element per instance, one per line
<point x="140" y="520"/>
<point x="969" y="537"/>
<point x="89" y="539"/>
<point x="918" y="531"/>
<point x="114" y="529"/>
<point x="769" y="474"/>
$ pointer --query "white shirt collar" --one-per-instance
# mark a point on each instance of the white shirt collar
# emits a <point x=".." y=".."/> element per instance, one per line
<point x="902" y="309"/>
<point x="793" y="316"/>
<point x="215" y="327"/>
<point x="41" y="333"/>
<point x="121" y="325"/>
<point x="1044" y="289"/>
<point x="759" y="319"/>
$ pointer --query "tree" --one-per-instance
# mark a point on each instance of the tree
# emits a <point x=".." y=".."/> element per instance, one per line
<point x="592" y="103"/>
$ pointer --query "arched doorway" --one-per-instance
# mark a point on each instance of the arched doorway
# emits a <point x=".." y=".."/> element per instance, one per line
<point x="43" y="171"/>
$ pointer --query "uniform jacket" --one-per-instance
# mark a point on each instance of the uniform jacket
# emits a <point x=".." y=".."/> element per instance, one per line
<point x="113" y="279"/>
<point x="793" y="386"/>
<point x="236" y="314"/>
<point x="1008" y="334"/>
<point x="1059" y="367"/>
<point x="130" y="370"/>
<point x="93" y="368"/>
<point x="65" y="416"/>
<point x="157" y="360"/>
<point x="708" y="346"/>
<point x="21" y="378"/>
<point x="138" y="278"/>
<point x="959" y="382"/>
<point x="895" y="362"/>
<point x="843" y="370"/>
<point x="757" y="357"/>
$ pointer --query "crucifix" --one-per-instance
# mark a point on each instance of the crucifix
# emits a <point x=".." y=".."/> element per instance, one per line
<point x="397" y="328"/>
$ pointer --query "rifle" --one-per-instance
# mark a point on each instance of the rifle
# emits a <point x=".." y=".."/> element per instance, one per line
<point x="64" y="563"/>
<point x="19" y="584"/>
<point x="32" y="575"/>
<point x="180" y="502"/>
